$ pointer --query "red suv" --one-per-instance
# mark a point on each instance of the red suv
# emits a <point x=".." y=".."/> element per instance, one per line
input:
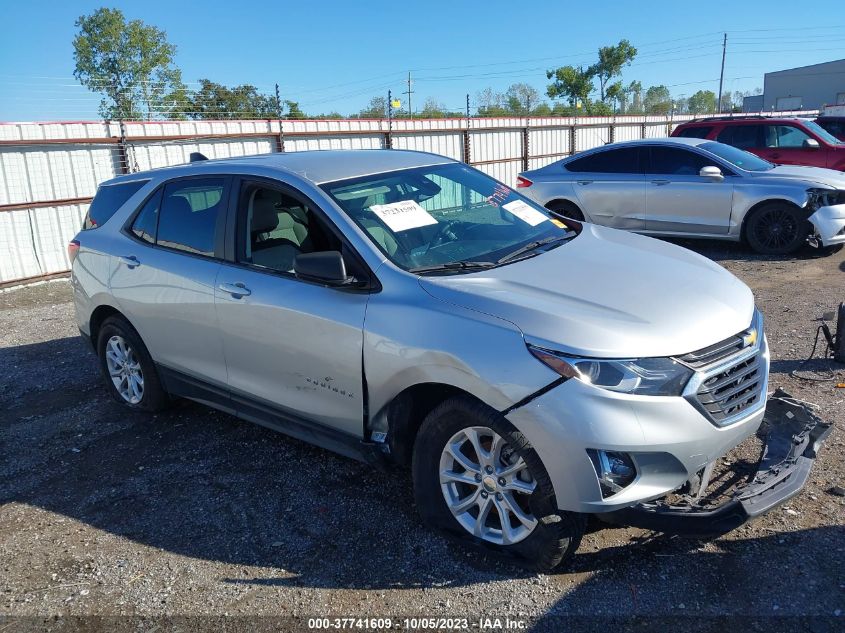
<point x="787" y="141"/>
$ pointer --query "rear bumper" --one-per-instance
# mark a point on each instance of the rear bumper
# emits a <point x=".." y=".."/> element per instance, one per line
<point x="829" y="223"/>
<point x="792" y="436"/>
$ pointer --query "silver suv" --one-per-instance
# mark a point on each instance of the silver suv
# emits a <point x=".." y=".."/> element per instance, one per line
<point x="403" y="307"/>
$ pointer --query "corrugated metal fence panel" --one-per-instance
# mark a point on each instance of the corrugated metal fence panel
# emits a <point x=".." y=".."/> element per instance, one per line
<point x="590" y="137"/>
<point x="495" y="145"/>
<point x="627" y="132"/>
<point x="548" y="140"/>
<point x="143" y="156"/>
<point x="34" y="241"/>
<point x="444" y="143"/>
<point x="341" y="141"/>
<point x="41" y="173"/>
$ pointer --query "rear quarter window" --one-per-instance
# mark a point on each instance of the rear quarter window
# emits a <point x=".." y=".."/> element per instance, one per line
<point x="700" y="131"/>
<point x="107" y="201"/>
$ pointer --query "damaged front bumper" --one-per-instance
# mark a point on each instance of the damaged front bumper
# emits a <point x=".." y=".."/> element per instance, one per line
<point x="829" y="225"/>
<point x="792" y="435"/>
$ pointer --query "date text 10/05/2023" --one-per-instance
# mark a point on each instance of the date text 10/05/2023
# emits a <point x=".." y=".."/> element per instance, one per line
<point x="419" y="624"/>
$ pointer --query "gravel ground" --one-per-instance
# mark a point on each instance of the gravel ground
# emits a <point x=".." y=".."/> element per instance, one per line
<point x="104" y="512"/>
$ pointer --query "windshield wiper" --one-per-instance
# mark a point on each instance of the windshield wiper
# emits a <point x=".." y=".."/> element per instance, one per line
<point x="452" y="266"/>
<point x="535" y="245"/>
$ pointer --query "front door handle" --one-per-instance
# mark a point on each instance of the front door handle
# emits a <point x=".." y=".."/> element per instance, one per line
<point x="585" y="182"/>
<point x="130" y="261"/>
<point x="237" y="290"/>
<point x="660" y="183"/>
<point x="776" y="155"/>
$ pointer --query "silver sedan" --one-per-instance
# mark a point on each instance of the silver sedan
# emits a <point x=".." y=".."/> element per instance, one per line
<point x="695" y="188"/>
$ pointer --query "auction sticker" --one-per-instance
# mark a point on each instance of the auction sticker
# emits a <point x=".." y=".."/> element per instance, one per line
<point x="403" y="216"/>
<point x="524" y="212"/>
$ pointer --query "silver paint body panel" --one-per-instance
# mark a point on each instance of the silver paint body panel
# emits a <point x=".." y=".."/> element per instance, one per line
<point x="323" y="354"/>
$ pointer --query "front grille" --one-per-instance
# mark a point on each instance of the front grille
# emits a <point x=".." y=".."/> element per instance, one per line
<point x="729" y="393"/>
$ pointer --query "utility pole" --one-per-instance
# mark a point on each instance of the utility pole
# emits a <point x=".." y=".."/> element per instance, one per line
<point x="409" y="92"/>
<point x="278" y="103"/>
<point x="722" y="74"/>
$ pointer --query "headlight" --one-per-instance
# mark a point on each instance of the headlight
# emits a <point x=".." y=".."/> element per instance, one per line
<point x="644" y="376"/>
<point x="818" y="197"/>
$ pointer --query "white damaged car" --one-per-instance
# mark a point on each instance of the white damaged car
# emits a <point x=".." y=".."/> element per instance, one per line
<point x="688" y="187"/>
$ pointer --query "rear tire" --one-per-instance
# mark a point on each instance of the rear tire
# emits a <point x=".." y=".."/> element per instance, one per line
<point x="129" y="371"/>
<point x="466" y="493"/>
<point x="566" y="209"/>
<point x="776" y="228"/>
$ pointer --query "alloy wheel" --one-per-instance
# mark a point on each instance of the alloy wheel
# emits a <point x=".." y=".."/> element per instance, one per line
<point x="124" y="369"/>
<point x="776" y="229"/>
<point x="487" y="486"/>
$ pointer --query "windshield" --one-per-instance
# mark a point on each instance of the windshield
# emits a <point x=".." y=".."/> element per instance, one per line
<point x="737" y="157"/>
<point x="444" y="215"/>
<point x="822" y="133"/>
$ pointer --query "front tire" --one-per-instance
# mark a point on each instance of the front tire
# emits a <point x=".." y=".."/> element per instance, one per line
<point x="776" y="228"/>
<point x="476" y="476"/>
<point x="129" y="371"/>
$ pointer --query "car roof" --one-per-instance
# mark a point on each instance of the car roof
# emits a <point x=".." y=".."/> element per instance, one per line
<point x="663" y="140"/>
<point x="318" y="166"/>
<point x="744" y="120"/>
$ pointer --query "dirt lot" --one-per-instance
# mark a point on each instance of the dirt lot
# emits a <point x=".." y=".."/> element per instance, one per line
<point x="108" y="513"/>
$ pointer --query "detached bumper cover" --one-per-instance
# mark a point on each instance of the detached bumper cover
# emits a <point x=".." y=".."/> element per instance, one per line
<point x="829" y="223"/>
<point x="792" y="434"/>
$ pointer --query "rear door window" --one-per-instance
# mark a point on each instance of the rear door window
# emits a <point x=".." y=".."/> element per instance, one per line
<point x="108" y="200"/>
<point x="625" y="160"/>
<point x="742" y="136"/>
<point x="146" y="222"/>
<point x="696" y="132"/>
<point x="189" y="212"/>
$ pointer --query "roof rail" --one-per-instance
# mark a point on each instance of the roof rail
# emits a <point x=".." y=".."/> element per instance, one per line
<point x="729" y="118"/>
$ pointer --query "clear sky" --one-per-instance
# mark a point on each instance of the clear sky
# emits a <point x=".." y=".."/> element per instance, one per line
<point x="332" y="55"/>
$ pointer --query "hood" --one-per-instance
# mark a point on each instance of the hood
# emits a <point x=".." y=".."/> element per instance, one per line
<point x="610" y="294"/>
<point x="812" y="175"/>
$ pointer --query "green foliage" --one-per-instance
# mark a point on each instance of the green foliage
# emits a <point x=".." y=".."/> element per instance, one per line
<point x="570" y="83"/>
<point x="130" y="63"/>
<point x="520" y="98"/>
<point x="294" y="111"/>
<point x="376" y="109"/>
<point x="657" y="100"/>
<point x="612" y="59"/>
<point x="703" y="102"/>
<point x="216" y="101"/>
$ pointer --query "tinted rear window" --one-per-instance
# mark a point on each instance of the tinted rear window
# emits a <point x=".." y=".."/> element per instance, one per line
<point x="614" y="161"/>
<point x="695" y="132"/>
<point x="742" y="136"/>
<point x="108" y="200"/>
<point x="188" y="215"/>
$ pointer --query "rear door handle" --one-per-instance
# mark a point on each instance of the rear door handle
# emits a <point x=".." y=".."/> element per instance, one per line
<point x="775" y="155"/>
<point x="584" y="182"/>
<point x="660" y="183"/>
<point x="237" y="290"/>
<point x="130" y="261"/>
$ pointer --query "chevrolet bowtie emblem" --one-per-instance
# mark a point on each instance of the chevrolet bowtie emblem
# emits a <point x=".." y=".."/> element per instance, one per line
<point x="749" y="338"/>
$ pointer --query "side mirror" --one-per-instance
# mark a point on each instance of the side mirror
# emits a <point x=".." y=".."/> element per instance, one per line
<point x="712" y="173"/>
<point x="326" y="267"/>
<point x="811" y="143"/>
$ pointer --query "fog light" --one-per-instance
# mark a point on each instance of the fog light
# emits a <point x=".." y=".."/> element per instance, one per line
<point x="614" y="470"/>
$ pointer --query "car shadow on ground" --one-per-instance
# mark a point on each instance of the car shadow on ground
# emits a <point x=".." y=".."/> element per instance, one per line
<point x="723" y="250"/>
<point x="202" y="484"/>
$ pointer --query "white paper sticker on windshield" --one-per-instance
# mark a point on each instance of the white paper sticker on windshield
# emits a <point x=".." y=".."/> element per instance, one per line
<point x="525" y="212"/>
<point x="402" y="216"/>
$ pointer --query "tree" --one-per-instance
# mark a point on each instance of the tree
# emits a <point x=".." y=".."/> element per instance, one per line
<point x="542" y="109"/>
<point x="216" y="101"/>
<point x="612" y="59"/>
<point x="490" y="103"/>
<point x="617" y="96"/>
<point x="432" y="109"/>
<point x="657" y="100"/>
<point x="634" y="94"/>
<point x="570" y="83"/>
<point x="520" y="98"/>
<point x="703" y="102"/>
<point x="294" y="111"/>
<point x="131" y="63"/>
<point x="376" y="109"/>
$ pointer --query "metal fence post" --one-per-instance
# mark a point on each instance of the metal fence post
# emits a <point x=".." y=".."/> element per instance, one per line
<point x="466" y="149"/>
<point x="612" y="134"/>
<point x="525" y="149"/>
<point x="572" y="136"/>
<point x="280" y="139"/>
<point x="643" y="130"/>
<point x="121" y="149"/>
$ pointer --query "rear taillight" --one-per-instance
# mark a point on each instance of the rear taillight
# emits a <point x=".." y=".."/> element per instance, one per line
<point x="72" y="250"/>
<point x="523" y="182"/>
